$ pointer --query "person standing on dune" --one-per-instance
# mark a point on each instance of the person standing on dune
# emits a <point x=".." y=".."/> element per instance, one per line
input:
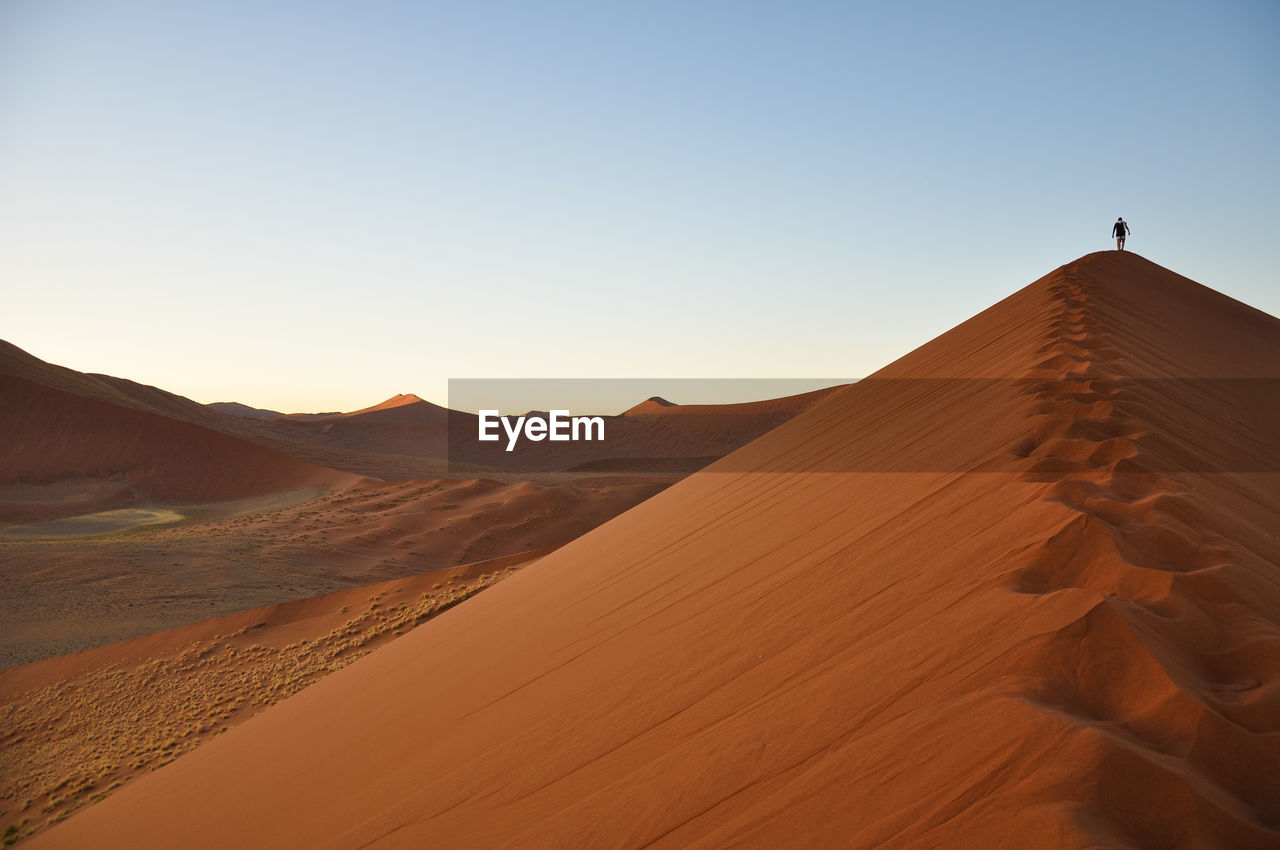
<point x="1120" y="230"/>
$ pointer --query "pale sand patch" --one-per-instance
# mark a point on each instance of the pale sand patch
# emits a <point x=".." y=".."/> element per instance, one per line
<point x="92" y="525"/>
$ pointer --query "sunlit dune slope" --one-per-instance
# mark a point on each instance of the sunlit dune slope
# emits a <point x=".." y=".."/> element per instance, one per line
<point x="1022" y="589"/>
<point x="64" y="595"/>
<point x="77" y="727"/>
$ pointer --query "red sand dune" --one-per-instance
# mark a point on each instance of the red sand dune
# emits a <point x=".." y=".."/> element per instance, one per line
<point x="244" y="411"/>
<point x="417" y="410"/>
<point x="683" y="439"/>
<point x="60" y="596"/>
<point x="792" y="404"/>
<point x="78" y="727"/>
<point x="284" y="435"/>
<point x="52" y="437"/>
<point x="16" y="363"/>
<point x="272" y="625"/>
<point x="396" y="402"/>
<point x="651" y="405"/>
<point x="1052" y="633"/>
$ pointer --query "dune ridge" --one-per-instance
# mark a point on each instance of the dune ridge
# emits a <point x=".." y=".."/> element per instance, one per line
<point x="792" y="404"/>
<point x="1059" y="628"/>
<point x="1158" y="700"/>
<point x="122" y="454"/>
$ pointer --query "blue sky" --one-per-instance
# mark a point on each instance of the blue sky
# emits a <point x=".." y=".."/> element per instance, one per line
<point x="312" y="206"/>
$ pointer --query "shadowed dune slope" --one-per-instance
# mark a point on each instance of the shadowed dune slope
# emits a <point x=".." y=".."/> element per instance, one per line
<point x="16" y="363"/>
<point x="1036" y="604"/>
<point x="243" y="411"/>
<point x="52" y="437"/>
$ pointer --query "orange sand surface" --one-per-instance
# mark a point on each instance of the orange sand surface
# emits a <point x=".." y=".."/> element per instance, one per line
<point x="1020" y="589"/>
<point x="60" y="594"/>
<point x="78" y="727"/>
<point x="119" y="453"/>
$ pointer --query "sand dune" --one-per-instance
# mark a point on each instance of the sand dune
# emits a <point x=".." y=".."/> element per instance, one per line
<point x="1019" y="589"/>
<point x="294" y="435"/>
<point x="684" y="439"/>
<point x="16" y="363"/>
<point x="122" y="454"/>
<point x="658" y="406"/>
<point x="244" y="411"/>
<point x="78" y="727"/>
<point x="406" y="438"/>
<point x="383" y="439"/>
<point x="60" y="594"/>
<point x="653" y="404"/>
<point x="402" y="407"/>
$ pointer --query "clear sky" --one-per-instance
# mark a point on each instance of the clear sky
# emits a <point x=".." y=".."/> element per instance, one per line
<point x="315" y="205"/>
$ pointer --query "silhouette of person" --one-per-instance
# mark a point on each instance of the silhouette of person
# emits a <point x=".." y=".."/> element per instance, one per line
<point x="1120" y="230"/>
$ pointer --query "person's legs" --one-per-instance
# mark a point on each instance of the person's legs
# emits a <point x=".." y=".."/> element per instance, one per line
<point x="1119" y="243"/>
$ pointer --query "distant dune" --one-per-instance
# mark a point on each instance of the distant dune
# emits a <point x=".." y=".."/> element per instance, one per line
<point x="787" y="406"/>
<point x="1062" y="629"/>
<point x="56" y="441"/>
<point x="653" y="435"/>
<point x="16" y="363"/>
<point x="279" y="435"/>
<point x="405" y="426"/>
<point x="406" y="438"/>
<point x="244" y="411"/>
<point x="653" y="404"/>
<point x="396" y="402"/>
